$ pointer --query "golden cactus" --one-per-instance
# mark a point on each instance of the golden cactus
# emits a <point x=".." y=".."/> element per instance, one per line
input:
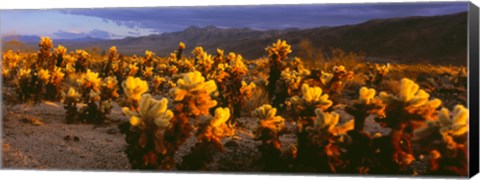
<point x="195" y="92"/>
<point x="57" y="75"/>
<point x="90" y="80"/>
<point x="151" y="111"/>
<point x="134" y="88"/>
<point x="237" y="66"/>
<point x="312" y="97"/>
<point x="328" y="122"/>
<point x="43" y="75"/>
<point x="46" y="42"/>
<point x="279" y="50"/>
<point x="366" y="95"/>
<point x="247" y="90"/>
<point x="413" y="99"/>
<point x="268" y="118"/>
<point x="181" y="45"/>
<point x="60" y="50"/>
<point x="149" y="54"/>
<point x="448" y="125"/>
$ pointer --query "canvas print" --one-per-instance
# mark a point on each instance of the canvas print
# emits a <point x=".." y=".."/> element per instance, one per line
<point x="345" y="89"/>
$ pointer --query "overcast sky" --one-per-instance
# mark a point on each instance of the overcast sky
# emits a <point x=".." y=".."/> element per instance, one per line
<point x="114" y="23"/>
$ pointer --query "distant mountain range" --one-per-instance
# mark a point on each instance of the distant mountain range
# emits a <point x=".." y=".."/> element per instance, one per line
<point x="427" y="39"/>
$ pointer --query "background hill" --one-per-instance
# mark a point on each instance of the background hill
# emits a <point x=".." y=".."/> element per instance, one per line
<point x="432" y="39"/>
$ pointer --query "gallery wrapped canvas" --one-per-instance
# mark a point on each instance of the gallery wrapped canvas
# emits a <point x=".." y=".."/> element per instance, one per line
<point x="359" y="89"/>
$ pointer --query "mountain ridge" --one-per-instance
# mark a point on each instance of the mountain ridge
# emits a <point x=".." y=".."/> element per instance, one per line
<point x="440" y="39"/>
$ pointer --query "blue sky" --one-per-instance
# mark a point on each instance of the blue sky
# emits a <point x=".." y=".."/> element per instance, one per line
<point x="114" y="23"/>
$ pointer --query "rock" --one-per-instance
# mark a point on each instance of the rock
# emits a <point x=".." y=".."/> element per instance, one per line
<point x="232" y="144"/>
<point x="32" y="120"/>
<point x="112" y="131"/>
<point x="67" y="138"/>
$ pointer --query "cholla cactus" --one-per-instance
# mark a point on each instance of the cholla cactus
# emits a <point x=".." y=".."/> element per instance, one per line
<point x="291" y="81"/>
<point x="10" y="62"/>
<point x="237" y="67"/>
<point x="23" y="83"/>
<point x="43" y="75"/>
<point x="133" y="89"/>
<point x="148" y="72"/>
<point x="270" y="126"/>
<point x="446" y="138"/>
<point x="193" y="94"/>
<point x="233" y="90"/>
<point x="181" y="47"/>
<point x="403" y="114"/>
<point x="89" y="81"/>
<point x="157" y="83"/>
<point x="268" y="118"/>
<point x="132" y="69"/>
<point x="311" y="99"/>
<point x="279" y="50"/>
<point x="54" y="86"/>
<point x="377" y="73"/>
<point x="209" y="138"/>
<point x="151" y="112"/>
<point x="203" y="61"/>
<point x="59" y="54"/>
<point x="326" y="136"/>
<point x="44" y="54"/>
<point x="333" y="83"/>
<point x="108" y="94"/>
<point x="414" y="104"/>
<point x="247" y="90"/>
<point x="145" y="133"/>
<point x="326" y="124"/>
<point x="365" y="104"/>
<point x="70" y="99"/>
<point x="82" y="64"/>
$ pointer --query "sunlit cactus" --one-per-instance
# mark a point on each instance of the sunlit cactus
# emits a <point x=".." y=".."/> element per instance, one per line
<point x="148" y="72"/>
<point x="43" y="75"/>
<point x="70" y="100"/>
<point x="203" y="61"/>
<point x="247" y="89"/>
<point x="326" y="137"/>
<point x="54" y="85"/>
<point x="89" y="81"/>
<point x="237" y="66"/>
<point x="60" y="52"/>
<point x="151" y="112"/>
<point x="403" y="114"/>
<point x="209" y="135"/>
<point x="270" y="126"/>
<point x="327" y="123"/>
<point x="333" y="82"/>
<point x="446" y="138"/>
<point x="108" y="94"/>
<point x="145" y="133"/>
<point x="413" y="100"/>
<point x="157" y="83"/>
<point x="365" y="105"/>
<point x="82" y="62"/>
<point x="194" y="92"/>
<point x="279" y="50"/>
<point x="312" y="97"/>
<point x="133" y="89"/>
<point x="46" y="42"/>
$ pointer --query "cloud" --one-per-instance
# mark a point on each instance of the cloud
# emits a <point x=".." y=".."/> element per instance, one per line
<point x="95" y="33"/>
<point x="168" y="19"/>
